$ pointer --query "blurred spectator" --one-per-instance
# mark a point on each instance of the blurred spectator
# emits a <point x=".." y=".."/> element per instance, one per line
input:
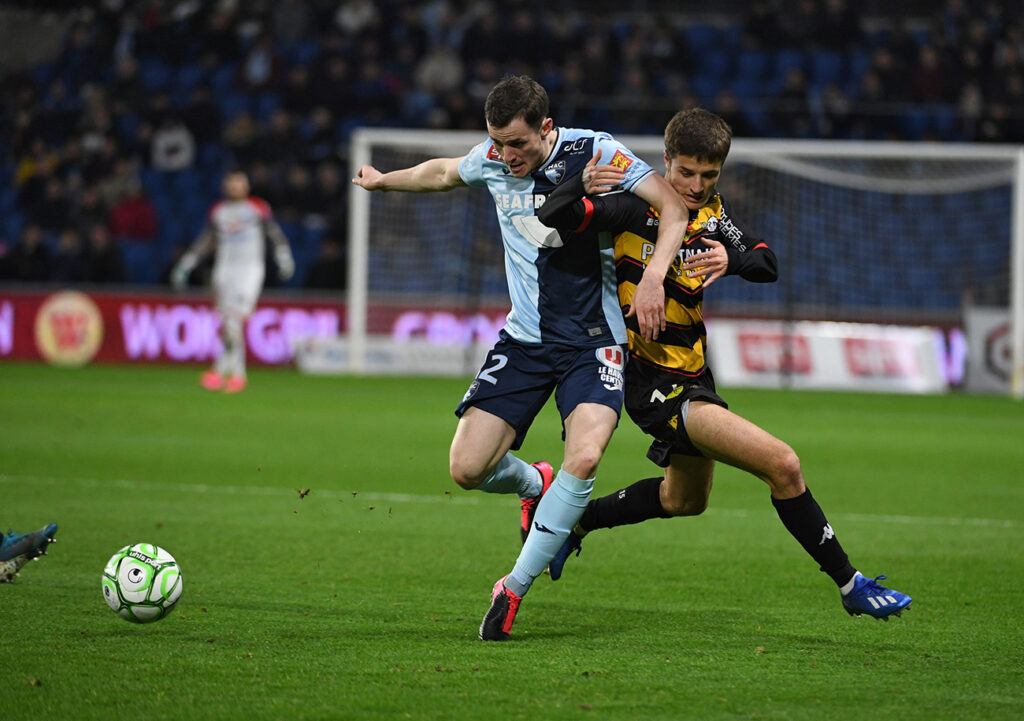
<point x="930" y="79"/>
<point x="202" y="116"/>
<point x="29" y="259"/>
<point x="329" y="193"/>
<point x="280" y="142"/>
<point x="320" y="138"/>
<point x="332" y="86"/>
<point x="103" y="263"/>
<point x="840" y="26"/>
<point x="134" y="217"/>
<point x="290" y="20"/>
<point x="90" y="208"/>
<point x="297" y="94"/>
<point x="762" y="26"/>
<point x="836" y="113"/>
<point x="53" y="211"/>
<point x="173" y="146"/>
<point x="242" y="138"/>
<point x="298" y="201"/>
<point x="354" y="17"/>
<point x="890" y="72"/>
<point x="794" y="112"/>
<point x="328" y="271"/>
<point x="123" y="177"/>
<point x="439" y="71"/>
<point x="727" y="105"/>
<point x="260" y="68"/>
<point x="68" y="264"/>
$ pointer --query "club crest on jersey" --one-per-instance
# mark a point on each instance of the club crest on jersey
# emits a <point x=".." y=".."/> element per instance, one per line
<point x="620" y="160"/>
<point x="473" y="388"/>
<point x="612" y="356"/>
<point x="555" y="172"/>
<point x="613" y="359"/>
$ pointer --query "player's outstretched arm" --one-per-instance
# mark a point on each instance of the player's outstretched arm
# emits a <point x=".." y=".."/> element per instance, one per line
<point x="282" y="251"/>
<point x="437" y="174"/>
<point x="202" y="245"/>
<point x="649" y="298"/>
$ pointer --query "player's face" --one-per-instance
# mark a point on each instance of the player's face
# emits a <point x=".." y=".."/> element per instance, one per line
<point x="521" y="147"/>
<point x="236" y="186"/>
<point x="694" y="180"/>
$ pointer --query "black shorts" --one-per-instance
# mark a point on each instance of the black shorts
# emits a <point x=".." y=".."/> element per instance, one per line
<point x="517" y="379"/>
<point x="658" y="401"/>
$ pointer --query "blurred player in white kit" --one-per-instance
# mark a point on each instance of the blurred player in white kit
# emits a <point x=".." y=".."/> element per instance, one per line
<point x="236" y="229"/>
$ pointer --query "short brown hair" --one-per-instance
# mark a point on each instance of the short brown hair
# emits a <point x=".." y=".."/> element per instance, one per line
<point x="516" y="96"/>
<point x="698" y="133"/>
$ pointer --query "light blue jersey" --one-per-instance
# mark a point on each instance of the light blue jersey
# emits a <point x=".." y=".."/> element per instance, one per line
<point x="560" y="294"/>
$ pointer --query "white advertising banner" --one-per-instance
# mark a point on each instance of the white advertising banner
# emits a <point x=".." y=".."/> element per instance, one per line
<point x="827" y="355"/>
<point x="990" y="353"/>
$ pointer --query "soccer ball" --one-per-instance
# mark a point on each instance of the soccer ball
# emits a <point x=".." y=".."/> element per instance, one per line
<point x="141" y="583"/>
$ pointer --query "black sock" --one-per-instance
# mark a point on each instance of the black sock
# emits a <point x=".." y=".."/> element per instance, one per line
<point x="634" y="504"/>
<point x="804" y="519"/>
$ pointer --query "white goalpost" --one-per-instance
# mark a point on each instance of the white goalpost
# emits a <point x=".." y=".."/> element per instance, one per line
<point x="881" y="233"/>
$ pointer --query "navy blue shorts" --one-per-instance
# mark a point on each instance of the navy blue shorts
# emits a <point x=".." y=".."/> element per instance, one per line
<point x="517" y="379"/>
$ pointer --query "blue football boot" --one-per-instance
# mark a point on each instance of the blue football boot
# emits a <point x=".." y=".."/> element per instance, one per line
<point x="573" y="542"/>
<point x="870" y="597"/>
<point x="18" y="549"/>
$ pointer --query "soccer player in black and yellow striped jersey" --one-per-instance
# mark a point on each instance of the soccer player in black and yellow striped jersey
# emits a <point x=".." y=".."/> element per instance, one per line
<point x="670" y="392"/>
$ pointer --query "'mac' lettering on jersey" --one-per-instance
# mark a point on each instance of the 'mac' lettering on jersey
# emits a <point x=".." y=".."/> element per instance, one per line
<point x="559" y="293"/>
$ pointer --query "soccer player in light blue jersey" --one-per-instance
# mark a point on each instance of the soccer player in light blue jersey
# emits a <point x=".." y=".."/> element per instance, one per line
<point x="565" y="333"/>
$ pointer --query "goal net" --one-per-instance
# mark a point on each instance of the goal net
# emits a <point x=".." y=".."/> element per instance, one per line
<point x="880" y="233"/>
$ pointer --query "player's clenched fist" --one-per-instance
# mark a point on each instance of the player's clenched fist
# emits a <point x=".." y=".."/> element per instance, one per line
<point x="368" y="177"/>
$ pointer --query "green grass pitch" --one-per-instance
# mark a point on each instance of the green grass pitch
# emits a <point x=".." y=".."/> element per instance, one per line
<point x="362" y="599"/>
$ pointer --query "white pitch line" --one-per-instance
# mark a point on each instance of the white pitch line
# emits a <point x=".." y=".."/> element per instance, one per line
<point x="470" y="499"/>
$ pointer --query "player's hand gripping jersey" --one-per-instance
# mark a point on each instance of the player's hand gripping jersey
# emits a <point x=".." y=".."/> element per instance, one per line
<point x="633" y="226"/>
<point x="559" y="293"/>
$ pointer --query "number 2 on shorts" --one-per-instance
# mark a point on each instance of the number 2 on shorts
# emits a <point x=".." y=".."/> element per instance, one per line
<point x="487" y="374"/>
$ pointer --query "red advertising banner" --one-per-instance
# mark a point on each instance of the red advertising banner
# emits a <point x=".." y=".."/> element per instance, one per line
<point x="70" y="327"/>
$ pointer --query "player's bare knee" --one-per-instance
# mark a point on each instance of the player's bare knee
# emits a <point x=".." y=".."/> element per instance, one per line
<point x="583" y="463"/>
<point x="464" y="475"/>
<point x="787" y="479"/>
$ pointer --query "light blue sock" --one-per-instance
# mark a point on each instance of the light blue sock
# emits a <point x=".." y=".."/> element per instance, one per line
<point x="512" y="475"/>
<point x="557" y="513"/>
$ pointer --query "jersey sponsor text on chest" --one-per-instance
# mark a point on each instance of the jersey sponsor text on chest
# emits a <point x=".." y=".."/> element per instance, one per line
<point x="519" y="201"/>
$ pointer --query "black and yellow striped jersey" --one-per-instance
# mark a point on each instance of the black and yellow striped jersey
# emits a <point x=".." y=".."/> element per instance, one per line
<point x="631" y="227"/>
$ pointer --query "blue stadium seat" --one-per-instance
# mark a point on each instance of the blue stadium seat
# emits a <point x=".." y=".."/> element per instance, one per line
<point x="154" y="74"/>
<point x="706" y="86"/>
<point x="944" y="117"/>
<point x="222" y="79"/>
<point x="265" y="104"/>
<point x="699" y="37"/>
<point x="914" y="122"/>
<point x="231" y="104"/>
<point x="184" y="183"/>
<point x="13" y="223"/>
<point x="189" y="76"/>
<point x="8" y="199"/>
<point x="753" y="64"/>
<point x="140" y="262"/>
<point x="311" y="238"/>
<point x="826" y="67"/>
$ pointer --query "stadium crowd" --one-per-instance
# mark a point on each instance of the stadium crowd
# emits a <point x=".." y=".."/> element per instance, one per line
<point x="112" y="150"/>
